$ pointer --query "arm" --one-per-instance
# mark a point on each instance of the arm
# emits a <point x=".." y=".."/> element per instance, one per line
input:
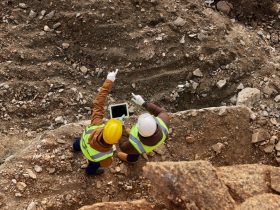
<point x="124" y="143"/>
<point x="99" y="103"/>
<point x="152" y="108"/>
<point x="126" y="147"/>
<point x="157" y="111"/>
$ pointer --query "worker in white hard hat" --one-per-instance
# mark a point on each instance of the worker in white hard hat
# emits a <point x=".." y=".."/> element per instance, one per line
<point x="150" y="131"/>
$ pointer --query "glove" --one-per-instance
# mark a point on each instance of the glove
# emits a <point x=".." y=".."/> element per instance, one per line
<point x="114" y="148"/>
<point x="122" y="119"/>
<point x="112" y="75"/>
<point x="138" y="99"/>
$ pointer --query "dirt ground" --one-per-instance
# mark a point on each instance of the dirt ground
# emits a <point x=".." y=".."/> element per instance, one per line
<point x="62" y="183"/>
<point x="41" y="81"/>
<point x="54" y="55"/>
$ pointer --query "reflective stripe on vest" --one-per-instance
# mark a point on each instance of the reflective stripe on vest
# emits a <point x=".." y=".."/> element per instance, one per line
<point x="164" y="129"/>
<point x="90" y="153"/>
<point x="139" y="146"/>
<point x="138" y="143"/>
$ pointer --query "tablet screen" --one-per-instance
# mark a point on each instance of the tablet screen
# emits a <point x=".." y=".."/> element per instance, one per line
<point x="118" y="110"/>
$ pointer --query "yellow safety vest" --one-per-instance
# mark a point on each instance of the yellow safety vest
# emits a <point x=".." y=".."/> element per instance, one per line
<point x="90" y="153"/>
<point x="142" y="148"/>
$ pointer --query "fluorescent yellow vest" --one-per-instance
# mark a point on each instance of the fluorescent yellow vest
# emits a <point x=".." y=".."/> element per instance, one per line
<point x="142" y="148"/>
<point x="90" y="153"/>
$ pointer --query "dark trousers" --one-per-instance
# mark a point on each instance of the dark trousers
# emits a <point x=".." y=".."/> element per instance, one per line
<point x="92" y="166"/>
<point x="132" y="158"/>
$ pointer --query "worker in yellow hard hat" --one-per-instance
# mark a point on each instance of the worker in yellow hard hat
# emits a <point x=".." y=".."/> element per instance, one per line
<point x="98" y="138"/>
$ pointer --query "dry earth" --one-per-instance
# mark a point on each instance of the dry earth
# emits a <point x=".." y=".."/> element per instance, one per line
<point x="54" y="55"/>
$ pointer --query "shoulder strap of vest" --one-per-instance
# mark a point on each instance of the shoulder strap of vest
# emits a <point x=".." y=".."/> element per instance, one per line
<point x="137" y="141"/>
<point x="91" y="128"/>
<point x="163" y="128"/>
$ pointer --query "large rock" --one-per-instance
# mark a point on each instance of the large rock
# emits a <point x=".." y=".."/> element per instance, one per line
<point x="275" y="180"/>
<point x="230" y="125"/>
<point x="221" y="83"/>
<point x="31" y="206"/>
<point x="277" y="99"/>
<point x="261" y="202"/>
<point x="224" y="7"/>
<point x="248" y="96"/>
<point x="277" y="146"/>
<point x="269" y="91"/>
<point x="245" y="181"/>
<point x="188" y="185"/>
<point x="179" y="22"/>
<point x="136" y="205"/>
<point x="260" y="135"/>
<point x="197" y="73"/>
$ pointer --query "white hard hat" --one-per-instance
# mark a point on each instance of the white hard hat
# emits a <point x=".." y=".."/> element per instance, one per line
<point x="147" y="125"/>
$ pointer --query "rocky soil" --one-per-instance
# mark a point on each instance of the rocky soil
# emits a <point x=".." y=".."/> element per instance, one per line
<point x="184" y="55"/>
<point x="49" y="175"/>
<point x="181" y="184"/>
<point x="54" y="56"/>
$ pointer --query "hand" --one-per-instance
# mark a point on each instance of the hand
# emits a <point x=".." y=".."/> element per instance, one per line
<point x="114" y="148"/>
<point x="112" y="75"/>
<point x="122" y="118"/>
<point x="138" y="99"/>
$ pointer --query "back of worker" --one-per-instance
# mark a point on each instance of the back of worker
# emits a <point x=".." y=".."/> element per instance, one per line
<point x="98" y="138"/>
<point x="150" y="131"/>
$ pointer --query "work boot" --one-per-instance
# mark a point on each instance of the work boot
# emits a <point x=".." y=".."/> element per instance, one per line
<point x="91" y="172"/>
<point x="76" y="145"/>
<point x="99" y="171"/>
<point x="122" y="156"/>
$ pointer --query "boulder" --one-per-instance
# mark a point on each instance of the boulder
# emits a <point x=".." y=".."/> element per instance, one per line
<point x="188" y="185"/>
<point x="275" y="180"/>
<point x="248" y="96"/>
<point x="263" y="202"/>
<point x="224" y="7"/>
<point x="65" y="45"/>
<point x="203" y="128"/>
<point x="31" y="206"/>
<point x="277" y="99"/>
<point x="260" y="135"/>
<point x="277" y="146"/>
<point x="269" y="91"/>
<point x="245" y="181"/>
<point x="218" y="147"/>
<point x="137" y="205"/>
<point x="179" y="22"/>
<point x="221" y="83"/>
<point x="197" y="73"/>
<point x="269" y="148"/>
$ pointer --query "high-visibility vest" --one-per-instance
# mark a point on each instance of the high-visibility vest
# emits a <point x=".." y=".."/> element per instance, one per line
<point x="142" y="148"/>
<point x="90" y="153"/>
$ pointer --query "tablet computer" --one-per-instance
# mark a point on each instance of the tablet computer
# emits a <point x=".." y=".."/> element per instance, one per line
<point x="118" y="110"/>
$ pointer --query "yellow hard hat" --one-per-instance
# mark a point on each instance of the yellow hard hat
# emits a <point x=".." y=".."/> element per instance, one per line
<point x="112" y="131"/>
